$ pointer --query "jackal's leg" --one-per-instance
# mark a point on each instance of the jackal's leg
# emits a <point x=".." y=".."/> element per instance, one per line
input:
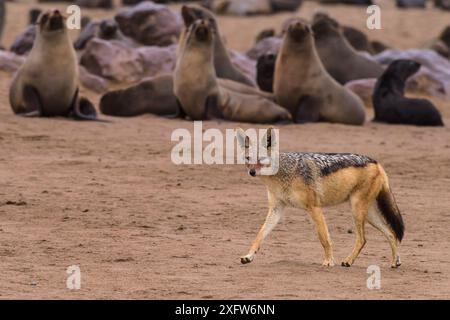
<point x="359" y="210"/>
<point x="272" y="219"/>
<point x="377" y="221"/>
<point x="324" y="236"/>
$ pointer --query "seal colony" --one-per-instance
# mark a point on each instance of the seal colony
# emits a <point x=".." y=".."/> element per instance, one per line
<point x="197" y="89"/>
<point x="300" y="76"/>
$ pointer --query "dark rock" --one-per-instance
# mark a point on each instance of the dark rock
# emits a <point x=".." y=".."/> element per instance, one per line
<point x="10" y="61"/>
<point x="150" y="24"/>
<point x="24" y="41"/>
<point x="116" y="61"/>
<point x="265" y="46"/>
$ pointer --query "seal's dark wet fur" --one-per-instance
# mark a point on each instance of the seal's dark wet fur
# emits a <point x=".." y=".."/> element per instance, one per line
<point x="390" y="104"/>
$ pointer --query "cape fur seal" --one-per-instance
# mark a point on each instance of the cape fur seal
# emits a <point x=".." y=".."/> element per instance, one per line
<point x="152" y="95"/>
<point x="302" y="85"/>
<point x="155" y="96"/>
<point x="390" y="104"/>
<point x="265" y="69"/>
<point x="341" y="61"/>
<point x="198" y="91"/>
<point x="106" y="29"/>
<point x="47" y="83"/>
<point x="222" y="62"/>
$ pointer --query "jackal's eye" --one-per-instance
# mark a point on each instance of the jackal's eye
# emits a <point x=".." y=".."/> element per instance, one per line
<point x="247" y="158"/>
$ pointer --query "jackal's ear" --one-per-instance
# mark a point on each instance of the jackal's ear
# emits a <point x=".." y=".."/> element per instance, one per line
<point x="269" y="140"/>
<point x="242" y="138"/>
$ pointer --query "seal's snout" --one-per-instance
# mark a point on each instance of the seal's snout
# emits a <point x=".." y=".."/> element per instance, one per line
<point x="202" y="31"/>
<point x="56" y="23"/>
<point x="299" y="30"/>
<point x="52" y="21"/>
<point x="108" y="28"/>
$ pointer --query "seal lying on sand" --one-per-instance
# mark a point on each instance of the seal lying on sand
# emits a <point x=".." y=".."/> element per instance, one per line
<point x="47" y="83"/>
<point x="341" y="61"/>
<point x="155" y="96"/>
<point x="152" y="95"/>
<point x="197" y="89"/>
<point x="302" y="85"/>
<point x="222" y="62"/>
<point x="390" y="104"/>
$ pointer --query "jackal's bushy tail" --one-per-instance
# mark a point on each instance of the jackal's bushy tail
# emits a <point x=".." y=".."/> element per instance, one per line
<point x="388" y="208"/>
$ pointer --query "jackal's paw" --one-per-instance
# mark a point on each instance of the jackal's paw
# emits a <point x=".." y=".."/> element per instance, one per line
<point x="328" y="263"/>
<point x="397" y="263"/>
<point x="345" y="264"/>
<point x="247" y="259"/>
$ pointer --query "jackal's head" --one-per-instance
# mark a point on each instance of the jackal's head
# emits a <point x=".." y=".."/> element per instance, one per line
<point x="260" y="158"/>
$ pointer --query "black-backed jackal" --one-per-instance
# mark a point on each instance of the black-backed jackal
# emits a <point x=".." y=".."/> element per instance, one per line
<point x="315" y="180"/>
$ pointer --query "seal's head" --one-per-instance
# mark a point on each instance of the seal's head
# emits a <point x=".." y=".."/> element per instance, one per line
<point x="108" y="29"/>
<point x="193" y="13"/>
<point x="51" y="22"/>
<point x="299" y="31"/>
<point x="324" y="26"/>
<point x="200" y="32"/>
<point x="403" y="68"/>
<point x="265" y="68"/>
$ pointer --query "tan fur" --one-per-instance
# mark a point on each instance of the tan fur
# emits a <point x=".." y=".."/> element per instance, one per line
<point x="194" y="75"/>
<point x="299" y="73"/>
<point x="358" y="185"/>
<point x="195" y="80"/>
<point x="224" y="67"/>
<point x="52" y="68"/>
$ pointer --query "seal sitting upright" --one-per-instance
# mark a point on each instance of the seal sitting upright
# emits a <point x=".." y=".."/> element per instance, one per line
<point x="390" y="104"/>
<point x="303" y="86"/>
<point x="47" y="83"/>
<point x="222" y="62"/>
<point x="200" y="94"/>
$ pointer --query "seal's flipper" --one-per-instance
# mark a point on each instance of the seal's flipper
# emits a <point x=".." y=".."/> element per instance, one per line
<point x="32" y="101"/>
<point x="212" y="109"/>
<point x="178" y="114"/>
<point x="308" y="110"/>
<point x="83" y="109"/>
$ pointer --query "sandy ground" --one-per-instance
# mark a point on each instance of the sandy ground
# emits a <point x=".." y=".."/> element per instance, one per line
<point x="106" y="197"/>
